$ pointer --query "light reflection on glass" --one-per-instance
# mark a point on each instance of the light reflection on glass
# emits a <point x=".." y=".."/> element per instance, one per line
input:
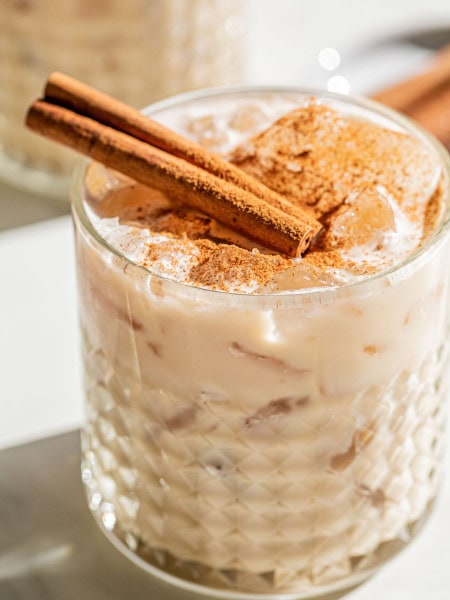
<point x="86" y="476"/>
<point x="338" y="84"/>
<point x="95" y="501"/>
<point x="329" y="59"/>
<point x="108" y="516"/>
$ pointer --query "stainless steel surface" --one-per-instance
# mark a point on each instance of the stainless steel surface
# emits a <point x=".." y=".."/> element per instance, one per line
<point x="50" y="547"/>
<point x="19" y="207"/>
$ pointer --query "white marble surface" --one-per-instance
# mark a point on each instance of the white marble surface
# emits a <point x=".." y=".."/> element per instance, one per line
<point x="39" y="358"/>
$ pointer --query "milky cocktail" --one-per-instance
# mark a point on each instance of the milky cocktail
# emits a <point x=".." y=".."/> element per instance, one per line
<point x="259" y="423"/>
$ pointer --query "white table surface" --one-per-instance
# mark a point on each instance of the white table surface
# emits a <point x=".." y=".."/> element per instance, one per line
<point x="39" y="358"/>
<point x="41" y="388"/>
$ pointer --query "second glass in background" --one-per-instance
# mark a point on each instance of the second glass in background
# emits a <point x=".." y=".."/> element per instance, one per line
<point x="136" y="51"/>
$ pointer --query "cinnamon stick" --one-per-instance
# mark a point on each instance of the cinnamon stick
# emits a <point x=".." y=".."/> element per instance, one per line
<point x="122" y="138"/>
<point x="69" y="92"/>
<point x="224" y="201"/>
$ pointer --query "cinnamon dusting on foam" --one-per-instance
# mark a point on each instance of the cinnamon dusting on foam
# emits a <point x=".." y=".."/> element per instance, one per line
<point x="375" y="190"/>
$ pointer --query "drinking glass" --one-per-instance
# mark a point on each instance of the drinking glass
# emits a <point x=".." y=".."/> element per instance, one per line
<point x="265" y="445"/>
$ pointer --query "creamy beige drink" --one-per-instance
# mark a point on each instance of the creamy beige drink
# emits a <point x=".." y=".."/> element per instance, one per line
<point x="257" y="423"/>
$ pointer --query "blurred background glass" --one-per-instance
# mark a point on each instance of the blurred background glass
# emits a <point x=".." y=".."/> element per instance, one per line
<point x="143" y="50"/>
<point x="138" y="51"/>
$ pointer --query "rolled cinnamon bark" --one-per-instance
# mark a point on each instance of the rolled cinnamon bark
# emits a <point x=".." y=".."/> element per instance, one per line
<point x="73" y="94"/>
<point x="224" y="201"/>
<point x="425" y="97"/>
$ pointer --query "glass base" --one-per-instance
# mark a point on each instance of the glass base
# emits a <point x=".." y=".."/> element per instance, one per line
<point x="329" y="592"/>
<point x="230" y="584"/>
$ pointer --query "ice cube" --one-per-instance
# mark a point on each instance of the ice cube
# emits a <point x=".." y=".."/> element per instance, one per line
<point x="248" y="119"/>
<point x="206" y="130"/>
<point x="365" y="219"/>
<point x="301" y="275"/>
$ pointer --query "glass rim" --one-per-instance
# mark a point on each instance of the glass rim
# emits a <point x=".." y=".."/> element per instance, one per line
<point x="394" y="273"/>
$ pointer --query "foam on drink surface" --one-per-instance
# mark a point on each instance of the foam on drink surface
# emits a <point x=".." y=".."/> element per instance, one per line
<point x="375" y="190"/>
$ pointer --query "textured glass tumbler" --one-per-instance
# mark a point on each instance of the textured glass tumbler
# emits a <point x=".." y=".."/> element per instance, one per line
<point x="137" y="50"/>
<point x="263" y="446"/>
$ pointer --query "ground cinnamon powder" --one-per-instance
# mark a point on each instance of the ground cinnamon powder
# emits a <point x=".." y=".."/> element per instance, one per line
<point x="219" y="264"/>
<point x="317" y="158"/>
<point x="347" y="173"/>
